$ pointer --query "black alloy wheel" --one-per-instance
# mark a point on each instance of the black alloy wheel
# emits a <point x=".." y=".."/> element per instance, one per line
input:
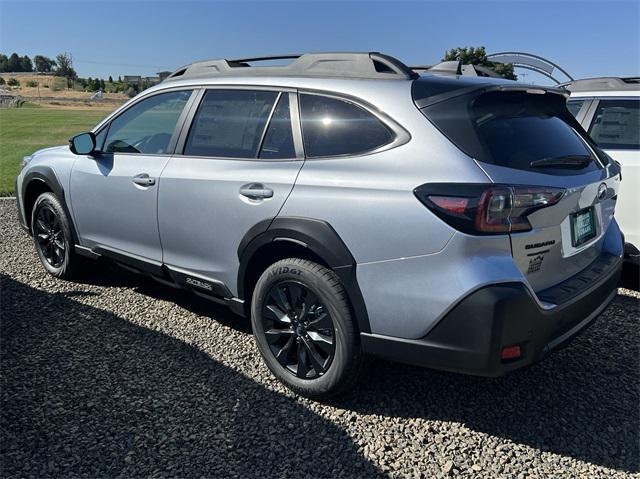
<point x="49" y="236"/>
<point x="299" y="329"/>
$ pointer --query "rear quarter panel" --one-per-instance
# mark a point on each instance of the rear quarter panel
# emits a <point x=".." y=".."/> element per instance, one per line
<point x="369" y="199"/>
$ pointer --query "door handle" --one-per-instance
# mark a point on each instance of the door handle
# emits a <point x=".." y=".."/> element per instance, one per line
<point x="256" y="191"/>
<point x="144" y="179"/>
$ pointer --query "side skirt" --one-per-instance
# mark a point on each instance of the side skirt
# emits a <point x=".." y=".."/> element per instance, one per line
<point x="172" y="276"/>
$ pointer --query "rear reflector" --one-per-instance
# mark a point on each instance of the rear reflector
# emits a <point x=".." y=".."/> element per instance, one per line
<point x="452" y="205"/>
<point x="511" y="352"/>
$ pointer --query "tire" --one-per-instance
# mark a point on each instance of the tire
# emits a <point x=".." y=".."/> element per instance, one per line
<point x="323" y="358"/>
<point x="51" y="232"/>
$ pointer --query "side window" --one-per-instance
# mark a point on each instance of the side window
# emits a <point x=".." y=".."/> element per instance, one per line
<point x="148" y="125"/>
<point x="278" y="140"/>
<point x="230" y="123"/>
<point x="334" y="127"/>
<point x="616" y="125"/>
<point x="574" y="106"/>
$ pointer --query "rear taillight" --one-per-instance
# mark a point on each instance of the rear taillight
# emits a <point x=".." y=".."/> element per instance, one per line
<point x="486" y="209"/>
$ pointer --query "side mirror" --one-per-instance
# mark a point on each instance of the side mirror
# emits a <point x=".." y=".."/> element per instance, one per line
<point x="83" y="144"/>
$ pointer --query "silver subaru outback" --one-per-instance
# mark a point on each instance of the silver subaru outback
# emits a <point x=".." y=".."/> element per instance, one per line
<point x="350" y="207"/>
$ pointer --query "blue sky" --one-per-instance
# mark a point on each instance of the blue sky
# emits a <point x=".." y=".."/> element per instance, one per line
<point x="139" y="37"/>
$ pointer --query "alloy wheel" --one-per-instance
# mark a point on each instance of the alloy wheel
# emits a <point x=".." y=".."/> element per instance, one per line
<point x="298" y="329"/>
<point x="49" y="236"/>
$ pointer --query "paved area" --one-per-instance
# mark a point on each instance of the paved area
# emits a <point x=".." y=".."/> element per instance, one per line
<point x="117" y="376"/>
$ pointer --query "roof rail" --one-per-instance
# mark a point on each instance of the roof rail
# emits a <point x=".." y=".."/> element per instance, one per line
<point x="602" y="84"/>
<point x="455" y="67"/>
<point x="371" y="65"/>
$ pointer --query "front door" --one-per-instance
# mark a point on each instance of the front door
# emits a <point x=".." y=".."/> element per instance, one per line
<point x="114" y="194"/>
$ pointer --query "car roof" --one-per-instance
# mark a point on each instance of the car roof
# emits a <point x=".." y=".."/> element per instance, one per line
<point x="363" y="65"/>
<point x="603" y="84"/>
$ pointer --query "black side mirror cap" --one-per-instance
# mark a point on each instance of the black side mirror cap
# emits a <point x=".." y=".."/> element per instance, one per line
<point x="83" y="144"/>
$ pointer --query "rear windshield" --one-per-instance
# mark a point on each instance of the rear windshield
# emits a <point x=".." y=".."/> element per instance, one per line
<point x="525" y="131"/>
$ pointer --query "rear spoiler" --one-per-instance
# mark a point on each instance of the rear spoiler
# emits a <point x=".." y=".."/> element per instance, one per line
<point x="531" y="89"/>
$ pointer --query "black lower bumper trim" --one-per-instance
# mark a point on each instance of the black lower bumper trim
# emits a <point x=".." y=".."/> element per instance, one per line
<point x="470" y="338"/>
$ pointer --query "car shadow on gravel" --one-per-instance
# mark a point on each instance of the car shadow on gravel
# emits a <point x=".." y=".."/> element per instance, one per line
<point x="106" y="274"/>
<point x="582" y="401"/>
<point x="85" y="392"/>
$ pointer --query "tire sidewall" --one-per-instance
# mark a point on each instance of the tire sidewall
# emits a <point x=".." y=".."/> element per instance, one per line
<point x="291" y="271"/>
<point x="50" y="200"/>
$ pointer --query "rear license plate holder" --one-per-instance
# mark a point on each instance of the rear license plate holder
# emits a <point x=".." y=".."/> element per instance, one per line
<point x="583" y="226"/>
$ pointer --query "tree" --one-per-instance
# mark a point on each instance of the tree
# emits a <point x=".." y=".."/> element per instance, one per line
<point x="43" y="64"/>
<point x="478" y="56"/>
<point x="13" y="64"/>
<point x="25" y="64"/>
<point x="110" y="79"/>
<point x="102" y="84"/>
<point x="4" y="63"/>
<point x="90" y="84"/>
<point x="65" y="66"/>
<point x="13" y="82"/>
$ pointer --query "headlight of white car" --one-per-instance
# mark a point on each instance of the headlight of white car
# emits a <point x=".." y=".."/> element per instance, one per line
<point x="25" y="161"/>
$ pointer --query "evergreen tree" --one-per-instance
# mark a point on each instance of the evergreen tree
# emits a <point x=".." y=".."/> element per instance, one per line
<point x="478" y="56"/>
<point x="25" y="64"/>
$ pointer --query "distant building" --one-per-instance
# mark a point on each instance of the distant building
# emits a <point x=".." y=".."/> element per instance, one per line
<point x="151" y="80"/>
<point x="163" y="75"/>
<point x="132" y="79"/>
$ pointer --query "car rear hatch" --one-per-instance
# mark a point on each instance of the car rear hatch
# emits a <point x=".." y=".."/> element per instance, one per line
<point x="553" y="190"/>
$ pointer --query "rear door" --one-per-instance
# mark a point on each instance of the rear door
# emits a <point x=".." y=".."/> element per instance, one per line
<point x="528" y="137"/>
<point x="236" y="166"/>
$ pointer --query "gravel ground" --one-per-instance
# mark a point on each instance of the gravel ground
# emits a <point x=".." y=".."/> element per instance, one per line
<point x="118" y="376"/>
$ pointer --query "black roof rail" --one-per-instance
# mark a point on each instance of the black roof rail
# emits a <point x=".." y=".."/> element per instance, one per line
<point x="369" y="65"/>
<point x="453" y="67"/>
<point x="265" y="59"/>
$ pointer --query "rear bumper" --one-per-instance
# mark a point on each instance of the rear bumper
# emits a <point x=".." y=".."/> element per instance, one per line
<point x="470" y="338"/>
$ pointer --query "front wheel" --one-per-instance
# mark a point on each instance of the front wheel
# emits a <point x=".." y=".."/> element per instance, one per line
<point x="51" y="231"/>
<point x="304" y="328"/>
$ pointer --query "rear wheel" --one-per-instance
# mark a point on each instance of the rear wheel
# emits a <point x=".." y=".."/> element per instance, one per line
<point x="304" y="328"/>
<point x="51" y="231"/>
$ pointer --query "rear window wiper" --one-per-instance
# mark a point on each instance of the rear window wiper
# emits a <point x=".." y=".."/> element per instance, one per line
<point x="567" y="160"/>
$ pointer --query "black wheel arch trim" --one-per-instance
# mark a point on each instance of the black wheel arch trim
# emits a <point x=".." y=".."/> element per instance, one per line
<point x="317" y="236"/>
<point x="46" y="175"/>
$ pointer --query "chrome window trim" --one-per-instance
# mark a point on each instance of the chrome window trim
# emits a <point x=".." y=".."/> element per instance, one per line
<point x="138" y="98"/>
<point x="268" y="122"/>
<point x="293" y="114"/>
<point x="106" y="123"/>
<point x="401" y="136"/>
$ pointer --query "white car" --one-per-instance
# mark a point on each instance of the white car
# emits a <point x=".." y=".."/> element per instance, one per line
<point x="609" y="109"/>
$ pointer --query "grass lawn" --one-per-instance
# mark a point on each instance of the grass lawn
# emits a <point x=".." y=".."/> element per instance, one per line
<point x="25" y="130"/>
